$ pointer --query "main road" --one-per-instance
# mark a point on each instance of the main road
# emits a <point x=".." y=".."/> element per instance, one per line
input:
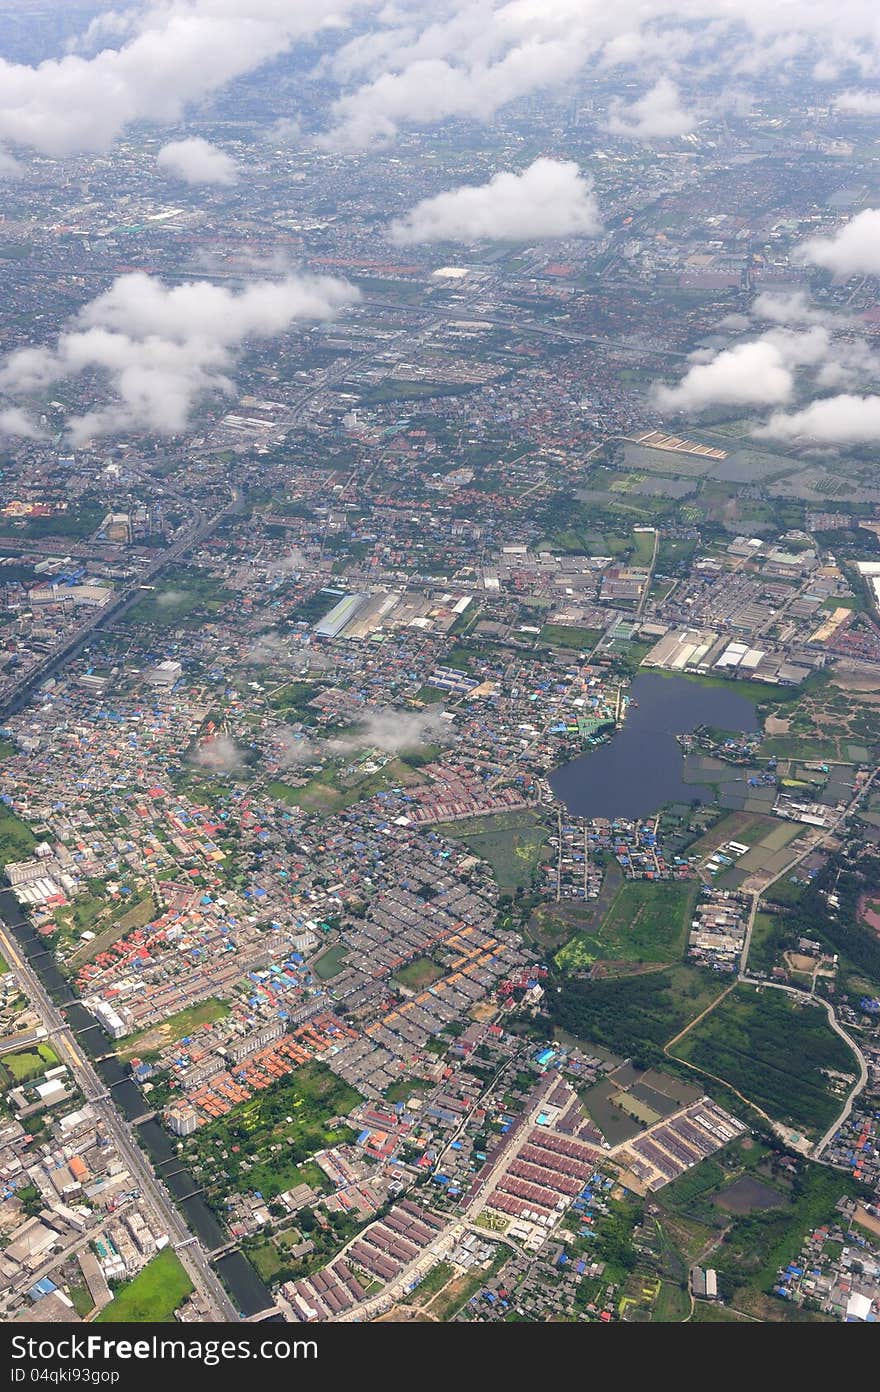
<point x="190" y="1251"/>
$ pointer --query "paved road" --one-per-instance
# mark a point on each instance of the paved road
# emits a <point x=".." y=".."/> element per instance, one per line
<point x="189" y="1249"/>
<point x="14" y="692"/>
<point x="835" y="1024"/>
<point x="742" y="975"/>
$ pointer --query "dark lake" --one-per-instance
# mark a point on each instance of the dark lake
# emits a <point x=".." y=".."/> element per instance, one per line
<point x="640" y="768"/>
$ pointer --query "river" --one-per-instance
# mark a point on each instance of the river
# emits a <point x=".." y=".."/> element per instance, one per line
<point x="640" y="768"/>
<point x="239" y="1277"/>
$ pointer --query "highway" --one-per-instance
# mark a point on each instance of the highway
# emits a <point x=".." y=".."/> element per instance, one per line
<point x="15" y="691"/>
<point x="170" y="1221"/>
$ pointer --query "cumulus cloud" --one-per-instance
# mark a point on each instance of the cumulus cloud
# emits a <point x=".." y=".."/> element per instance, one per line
<point x="197" y="161"/>
<point x="162" y="348"/>
<point x="844" y="420"/>
<point x="853" y="250"/>
<point x="170" y="53"/>
<point x="858" y="103"/>
<point x="14" y="421"/>
<point x="751" y="374"/>
<point x="382" y="728"/>
<point x="549" y="199"/>
<point x="395" y="731"/>
<point x="291" y="563"/>
<point x="220" y="754"/>
<point x="658" y="115"/>
<point x="268" y="649"/>
<point x="9" y="166"/>
<point x="789" y="307"/>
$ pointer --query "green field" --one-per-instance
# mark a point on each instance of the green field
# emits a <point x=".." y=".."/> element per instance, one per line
<point x="185" y="598"/>
<point x="772" y="1050"/>
<point x="511" y="842"/>
<point x="647" y="922"/>
<point x="328" y="792"/>
<point x="153" y="1295"/>
<point x="569" y="636"/>
<point x="261" y="1144"/>
<point x="17" y="841"/>
<point x="148" y="1042"/>
<point x="418" y="974"/>
<point x="29" y="1063"/>
<point x="331" y="962"/>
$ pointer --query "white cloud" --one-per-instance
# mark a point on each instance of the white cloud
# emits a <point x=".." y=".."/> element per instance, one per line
<point x="859" y="103"/>
<point x="14" y="421"/>
<point x="751" y="374"/>
<point x="788" y="307"/>
<point x="549" y="199"/>
<point x="853" y="250"/>
<point x="162" y="348"/>
<point x="379" y="727"/>
<point x="413" y="62"/>
<point x="197" y="161"/>
<point x="220" y="754"/>
<point x="9" y="166"/>
<point x="170" y="53"/>
<point x="658" y="115"/>
<point x="844" y="419"/>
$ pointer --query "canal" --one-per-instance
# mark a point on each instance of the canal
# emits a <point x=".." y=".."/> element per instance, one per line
<point x="248" y="1292"/>
<point x="640" y="768"/>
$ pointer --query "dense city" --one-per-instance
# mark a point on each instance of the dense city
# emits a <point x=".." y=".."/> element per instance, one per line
<point x="439" y="678"/>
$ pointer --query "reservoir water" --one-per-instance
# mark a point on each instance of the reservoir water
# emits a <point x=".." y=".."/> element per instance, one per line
<point x="640" y="768"/>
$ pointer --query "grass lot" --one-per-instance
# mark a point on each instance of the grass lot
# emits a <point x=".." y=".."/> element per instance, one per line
<point x="261" y="1144"/>
<point x="82" y="1301"/>
<point x="511" y="842"/>
<point x="17" y="841"/>
<point x="29" y="1063"/>
<point x="644" y="542"/>
<point x="435" y="1280"/>
<point x="772" y="1050"/>
<point x="404" y="1088"/>
<point x="769" y="933"/>
<point x="646" y="923"/>
<point x="153" y="1295"/>
<point x="146" y="1043"/>
<point x="327" y="792"/>
<point x="133" y="912"/>
<point x="569" y="636"/>
<point x="458" y="1291"/>
<point x="331" y="962"/>
<point x="185" y="598"/>
<point x="418" y="974"/>
<point x="745" y="827"/>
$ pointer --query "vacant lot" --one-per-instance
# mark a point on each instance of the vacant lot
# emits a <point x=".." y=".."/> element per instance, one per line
<point x="646" y="923"/>
<point x="17" y="841"/>
<point x="331" y="962"/>
<point x="512" y="843"/>
<point x="153" y="1295"/>
<point x="261" y="1144"/>
<point x="569" y="636"/>
<point x="773" y="1050"/>
<point x="418" y="974"/>
<point x="29" y="1063"/>
<point x="184" y="599"/>
<point x="152" y="1040"/>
